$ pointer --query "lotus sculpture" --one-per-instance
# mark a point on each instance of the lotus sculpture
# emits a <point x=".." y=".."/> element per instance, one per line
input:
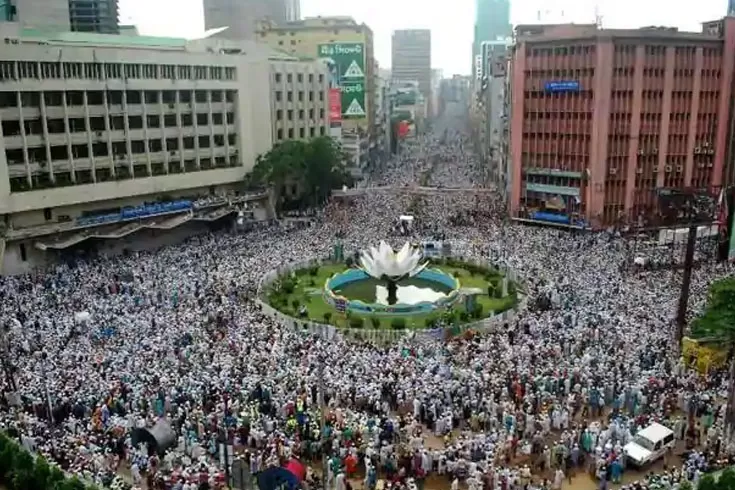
<point x="385" y="264"/>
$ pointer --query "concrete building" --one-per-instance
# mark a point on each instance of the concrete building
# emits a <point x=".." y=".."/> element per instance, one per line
<point x="241" y="17"/>
<point x="299" y="99"/>
<point x="347" y="48"/>
<point x="411" y="58"/>
<point x="491" y="110"/>
<point x="93" y="16"/>
<point x="38" y="14"/>
<point x="105" y="135"/>
<point x="492" y="22"/>
<point x="602" y="118"/>
<point x="293" y="10"/>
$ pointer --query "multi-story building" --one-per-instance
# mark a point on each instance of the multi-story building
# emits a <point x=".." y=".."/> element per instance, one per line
<point x="299" y="99"/>
<point x="492" y="22"/>
<point x="95" y="128"/>
<point x="411" y="58"/>
<point x="602" y="118"/>
<point x="93" y="16"/>
<point x="241" y="17"/>
<point x="346" y="47"/>
<point x="38" y="14"/>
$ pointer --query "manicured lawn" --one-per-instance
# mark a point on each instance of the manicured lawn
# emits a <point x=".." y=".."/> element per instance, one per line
<point x="308" y="292"/>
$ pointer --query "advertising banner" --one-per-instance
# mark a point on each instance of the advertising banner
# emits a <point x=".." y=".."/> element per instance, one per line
<point x="346" y="62"/>
<point x="335" y="105"/>
<point x="562" y="86"/>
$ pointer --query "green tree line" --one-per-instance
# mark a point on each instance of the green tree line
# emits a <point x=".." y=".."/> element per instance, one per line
<point x="315" y="167"/>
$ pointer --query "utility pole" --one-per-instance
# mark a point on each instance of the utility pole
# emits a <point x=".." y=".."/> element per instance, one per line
<point x="226" y="441"/>
<point x="323" y="422"/>
<point x="681" y="313"/>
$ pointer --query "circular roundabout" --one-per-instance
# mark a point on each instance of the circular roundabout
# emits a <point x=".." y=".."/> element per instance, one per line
<point x="380" y="288"/>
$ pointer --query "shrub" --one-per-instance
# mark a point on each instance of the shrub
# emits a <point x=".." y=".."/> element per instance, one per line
<point x="314" y="271"/>
<point x="477" y="311"/>
<point x="431" y="322"/>
<point x="464" y="317"/>
<point x="375" y="322"/>
<point x="398" y="324"/>
<point x="288" y="286"/>
<point x="499" y="292"/>
<point x="295" y="304"/>
<point x="490" y="290"/>
<point x="327" y="316"/>
<point x="356" y="322"/>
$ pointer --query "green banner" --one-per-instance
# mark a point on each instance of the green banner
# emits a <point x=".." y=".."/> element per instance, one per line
<point x="353" y="100"/>
<point x="346" y="63"/>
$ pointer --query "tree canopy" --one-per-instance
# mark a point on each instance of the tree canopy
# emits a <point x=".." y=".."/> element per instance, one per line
<point x="316" y="166"/>
<point x="717" y="323"/>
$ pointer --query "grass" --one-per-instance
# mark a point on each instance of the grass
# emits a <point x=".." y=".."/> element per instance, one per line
<point x="308" y="291"/>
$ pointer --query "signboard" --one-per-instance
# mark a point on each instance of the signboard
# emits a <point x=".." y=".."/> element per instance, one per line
<point x="353" y="100"/>
<point x="346" y="62"/>
<point x="335" y="105"/>
<point x="562" y="86"/>
<point x="478" y="67"/>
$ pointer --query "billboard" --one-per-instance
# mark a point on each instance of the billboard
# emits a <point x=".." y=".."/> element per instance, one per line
<point x="335" y="105"/>
<point x="346" y="62"/>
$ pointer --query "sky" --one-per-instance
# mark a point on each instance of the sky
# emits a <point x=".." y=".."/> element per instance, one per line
<point x="451" y="22"/>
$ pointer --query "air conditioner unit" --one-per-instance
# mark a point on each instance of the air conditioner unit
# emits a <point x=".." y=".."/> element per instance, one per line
<point x="697" y="150"/>
<point x="639" y="170"/>
<point x="640" y="152"/>
<point x="679" y="168"/>
<point x="668" y="168"/>
<point x="700" y="165"/>
<point x="613" y="171"/>
<point x="655" y="168"/>
<point x="710" y="164"/>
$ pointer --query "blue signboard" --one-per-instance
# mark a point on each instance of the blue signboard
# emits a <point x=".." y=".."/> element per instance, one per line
<point x="562" y="86"/>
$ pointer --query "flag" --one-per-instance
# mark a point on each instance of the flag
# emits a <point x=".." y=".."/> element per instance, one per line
<point x="722" y="214"/>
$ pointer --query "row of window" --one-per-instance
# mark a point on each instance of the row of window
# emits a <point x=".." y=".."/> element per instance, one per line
<point x="299" y="77"/>
<point x="301" y="114"/>
<point x="55" y="70"/>
<point x="114" y="97"/>
<point x="302" y="133"/>
<point x="300" y="96"/>
<point x="42" y="180"/>
<point x="119" y="149"/>
<point x="12" y="127"/>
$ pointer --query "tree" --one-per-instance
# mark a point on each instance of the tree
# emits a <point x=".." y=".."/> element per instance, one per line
<point x="716" y="326"/>
<point x="316" y="167"/>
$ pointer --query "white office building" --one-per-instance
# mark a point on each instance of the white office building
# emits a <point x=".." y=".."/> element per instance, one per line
<point x="93" y="124"/>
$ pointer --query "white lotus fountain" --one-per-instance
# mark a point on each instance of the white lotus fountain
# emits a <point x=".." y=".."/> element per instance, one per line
<point x="386" y="265"/>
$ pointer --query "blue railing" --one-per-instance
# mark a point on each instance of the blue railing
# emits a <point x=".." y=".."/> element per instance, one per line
<point x="130" y="213"/>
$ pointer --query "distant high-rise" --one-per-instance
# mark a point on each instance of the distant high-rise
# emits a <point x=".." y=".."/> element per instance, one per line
<point x="241" y="16"/>
<point x="411" y="58"/>
<point x="94" y="16"/>
<point x="492" y="22"/>
<point x="38" y="14"/>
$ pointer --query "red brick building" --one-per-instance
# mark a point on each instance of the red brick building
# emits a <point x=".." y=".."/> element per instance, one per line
<point x="601" y="118"/>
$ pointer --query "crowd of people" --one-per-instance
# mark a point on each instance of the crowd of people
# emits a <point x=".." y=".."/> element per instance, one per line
<point x="177" y="335"/>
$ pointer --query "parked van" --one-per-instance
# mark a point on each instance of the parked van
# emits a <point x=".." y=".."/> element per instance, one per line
<point x="649" y="445"/>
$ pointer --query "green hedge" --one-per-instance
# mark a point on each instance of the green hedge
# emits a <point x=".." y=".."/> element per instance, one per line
<point x="20" y="471"/>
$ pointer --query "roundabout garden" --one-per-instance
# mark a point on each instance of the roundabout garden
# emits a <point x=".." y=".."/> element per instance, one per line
<point x="383" y="289"/>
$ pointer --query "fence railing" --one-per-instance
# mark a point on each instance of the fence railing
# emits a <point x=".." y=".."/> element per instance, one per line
<point x="383" y="336"/>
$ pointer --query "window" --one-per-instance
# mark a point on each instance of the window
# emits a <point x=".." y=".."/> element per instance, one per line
<point x="290" y="115"/>
<point x="289" y="96"/>
<point x="322" y="130"/>
<point x="279" y="114"/>
<point x="290" y="133"/>
<point x="279" y="134"/>
<point x="300" y="78"/>
<point x="278" y="79"/>
<point x="301" y="132"/>
<point x="289" y="78"/>
<point x="22" y="249"/>
<point x="279" y="95"/>
<point x="47" y="214"/>
<point x="301" y="96"/>
<point x="311" y="78"/>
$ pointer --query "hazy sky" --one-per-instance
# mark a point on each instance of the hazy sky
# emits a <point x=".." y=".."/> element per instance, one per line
<point x="451" y="22"/>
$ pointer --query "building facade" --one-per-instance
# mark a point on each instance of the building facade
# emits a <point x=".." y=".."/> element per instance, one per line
<point x="492" y="22"/>
<point x="299" y="99"/>
<point x="39" y="14"/>
<point x="346" y="48"/>
<point x="94" y="16"/>
<point x="293" y="10"/>
<point x="601" y="119"/>
<point x="411" y="58"/>
<point x="92" y="125"/>
<point x="241" y="17"/>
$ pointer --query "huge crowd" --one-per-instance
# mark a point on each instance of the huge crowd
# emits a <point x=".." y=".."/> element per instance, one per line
<point x="177" y="334"/>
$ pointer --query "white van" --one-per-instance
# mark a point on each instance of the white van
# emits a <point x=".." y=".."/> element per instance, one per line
<point x="649" y="445"/>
